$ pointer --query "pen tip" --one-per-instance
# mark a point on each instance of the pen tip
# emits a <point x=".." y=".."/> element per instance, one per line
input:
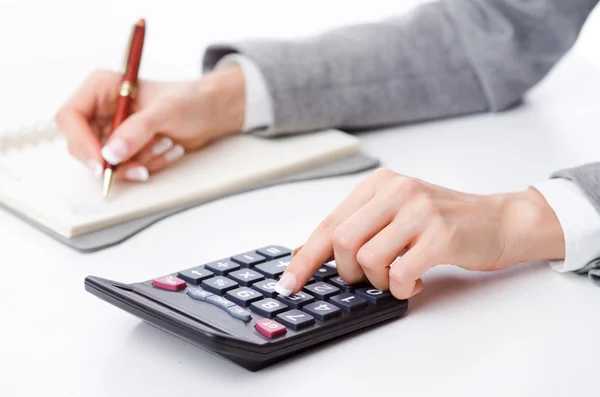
<point x="141" y="23"/>
<point x="107" y="182"/>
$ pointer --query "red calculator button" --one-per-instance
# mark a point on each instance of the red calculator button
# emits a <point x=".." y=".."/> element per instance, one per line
<point x="269" y="328"/>
<point x="170" y="283"/>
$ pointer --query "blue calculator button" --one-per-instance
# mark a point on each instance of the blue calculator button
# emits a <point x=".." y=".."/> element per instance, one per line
<point x="198" y="293"/>
<point x="219" y="301"/>
<point x="239" y="312"/>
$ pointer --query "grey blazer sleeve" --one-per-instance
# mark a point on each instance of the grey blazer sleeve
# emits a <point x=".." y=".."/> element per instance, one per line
<point x="443" y="59"/>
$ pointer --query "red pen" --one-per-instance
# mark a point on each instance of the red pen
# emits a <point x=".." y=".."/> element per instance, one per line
<point x="126" y="92"/>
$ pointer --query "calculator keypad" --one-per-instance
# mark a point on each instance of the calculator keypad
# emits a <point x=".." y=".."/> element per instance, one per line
<point x="244" y="287"/>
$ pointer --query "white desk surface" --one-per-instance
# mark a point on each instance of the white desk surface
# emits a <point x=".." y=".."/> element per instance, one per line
<point x="527" y="331"/>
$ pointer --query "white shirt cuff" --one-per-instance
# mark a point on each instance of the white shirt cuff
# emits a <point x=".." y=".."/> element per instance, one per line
<point x="579" y="220"/>
<point x="259" y="112"/>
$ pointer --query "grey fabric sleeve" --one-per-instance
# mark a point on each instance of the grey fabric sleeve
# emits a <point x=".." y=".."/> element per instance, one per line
<point x="443" y="59"/>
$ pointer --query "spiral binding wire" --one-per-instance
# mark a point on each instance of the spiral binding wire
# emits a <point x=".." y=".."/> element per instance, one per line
<point x="35" y="134"/>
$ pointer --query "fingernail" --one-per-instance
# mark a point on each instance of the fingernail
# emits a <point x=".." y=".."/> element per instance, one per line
<point x="95" y="167"/>
<point x="162" y="146"/>
<point x="115" y="151"/>
<point x="174" y="153"/>
<point x="286" y="284"/>
<point x="138" y="174"/>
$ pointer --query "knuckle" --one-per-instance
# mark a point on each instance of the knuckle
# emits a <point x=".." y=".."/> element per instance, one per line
<point x="382" y="174"/>
<point x="327" y="224"/>
<point x="351" y="275"/>
<point x="369" y="258"/>
<point x="343" y="238"/>
<point x="428" y="207"/>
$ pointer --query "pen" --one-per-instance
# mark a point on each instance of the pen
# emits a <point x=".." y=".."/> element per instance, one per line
<point x="126" y="92"/>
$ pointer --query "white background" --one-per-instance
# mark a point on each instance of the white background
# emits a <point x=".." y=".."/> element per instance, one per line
<point x="524" y="332"/>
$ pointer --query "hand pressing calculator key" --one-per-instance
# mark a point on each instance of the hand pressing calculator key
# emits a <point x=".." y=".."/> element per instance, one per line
<point x="230" y="307"/>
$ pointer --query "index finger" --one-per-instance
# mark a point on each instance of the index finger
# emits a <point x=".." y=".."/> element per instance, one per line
<point x="318" y="249"/>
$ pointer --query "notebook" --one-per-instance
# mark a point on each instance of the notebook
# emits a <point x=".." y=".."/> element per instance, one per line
<point x="41" y="182"/>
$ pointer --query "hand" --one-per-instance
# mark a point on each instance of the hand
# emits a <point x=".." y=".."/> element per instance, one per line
<point x="392" y="229"/>
<point x="167" y="119"/>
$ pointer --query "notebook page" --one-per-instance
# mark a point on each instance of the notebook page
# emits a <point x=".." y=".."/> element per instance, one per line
<point x="56" y="189"/>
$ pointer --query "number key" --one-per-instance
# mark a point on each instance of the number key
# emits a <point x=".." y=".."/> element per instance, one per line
<point x="348" y="302"/>
<point x="322" y="310"/>
<point x="268" y="307"/>
<point x="374" y="295"/>
<point x="244" y="296"/>
<point x="296" y="301"/>
<point x="321" y="290"/>
<point x="266" y="287"/>
<point x="295" y="319"/>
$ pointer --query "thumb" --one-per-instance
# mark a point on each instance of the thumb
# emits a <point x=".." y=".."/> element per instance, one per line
<point x="133" y="134"/>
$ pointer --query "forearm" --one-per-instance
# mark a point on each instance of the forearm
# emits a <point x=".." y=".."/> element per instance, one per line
<point x="444" y="59"/>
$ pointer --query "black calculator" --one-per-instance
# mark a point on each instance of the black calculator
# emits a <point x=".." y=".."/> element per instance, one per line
<point x="230" y="307"/>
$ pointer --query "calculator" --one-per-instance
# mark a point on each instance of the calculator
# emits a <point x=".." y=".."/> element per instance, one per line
<point x="230" y="307"/>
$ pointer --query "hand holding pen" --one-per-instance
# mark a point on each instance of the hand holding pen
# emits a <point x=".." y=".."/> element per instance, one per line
<point x="166" y="119"/>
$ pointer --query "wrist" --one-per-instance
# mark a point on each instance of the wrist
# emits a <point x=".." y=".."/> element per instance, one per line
<point x="531" y="229"/>
<point x="223" y="92"/>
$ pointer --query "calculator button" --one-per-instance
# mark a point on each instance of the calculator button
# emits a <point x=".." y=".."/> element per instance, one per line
<point x="296" y="301"/>
<point x="269" y="328"/>
<point x="244" y="296"/>
<point x="219" y="301"/>
<point x="195" y="275"/>
<point x="273" y="252"/>
<point x="246" y="277"/>
<point x="266" y="287"/>
<point x="374" y="295"/>
<point x="219" y="285"/>
<point x="249" y="259"/>
<point x="341" y="284"/>
<point x="322" y="310"/>
<point x="239" y="312"/>
<point x="348" y="302"/>
<point x="321" y="290"/>
<point x="222" y="267"/>
<point x="325" y="272"/>
<point x="198" y="293"/>
<point x="274" y="269"/>
<point x="170" y="283"/>
<point x="268" y="307"/>
<point x="295" y="319"/>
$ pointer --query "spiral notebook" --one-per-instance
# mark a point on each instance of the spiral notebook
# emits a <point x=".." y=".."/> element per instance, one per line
<point x="42" y="183"/>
